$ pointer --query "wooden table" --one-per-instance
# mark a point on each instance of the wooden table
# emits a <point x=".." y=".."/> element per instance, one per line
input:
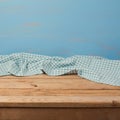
<point x="67" y="97"/>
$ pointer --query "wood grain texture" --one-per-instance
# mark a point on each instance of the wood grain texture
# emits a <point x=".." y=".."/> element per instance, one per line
<point x="56" y="91"/>
<point x="59" y="114"/>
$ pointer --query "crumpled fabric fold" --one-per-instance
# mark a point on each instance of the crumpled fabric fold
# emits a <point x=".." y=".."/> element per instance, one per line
<point x="94" y="68"/>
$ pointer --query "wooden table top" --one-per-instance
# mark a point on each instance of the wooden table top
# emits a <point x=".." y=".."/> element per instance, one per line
<point x="56" y="91"/>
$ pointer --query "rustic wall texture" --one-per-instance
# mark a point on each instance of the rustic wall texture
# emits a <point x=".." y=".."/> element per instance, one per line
<point x="60" y="27"/>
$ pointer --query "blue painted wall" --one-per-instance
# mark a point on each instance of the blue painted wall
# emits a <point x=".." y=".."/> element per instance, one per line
<point x="60" y="27"/>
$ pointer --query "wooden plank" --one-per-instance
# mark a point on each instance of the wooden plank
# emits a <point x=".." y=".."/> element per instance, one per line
<point x="59" y="114"/>
<point x="57" y="92"/>
<point x="60" y="101"/>
<point x="48" y="82"/>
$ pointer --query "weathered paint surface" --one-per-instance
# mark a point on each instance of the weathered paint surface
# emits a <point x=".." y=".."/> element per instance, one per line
<point x="60" y="27"/>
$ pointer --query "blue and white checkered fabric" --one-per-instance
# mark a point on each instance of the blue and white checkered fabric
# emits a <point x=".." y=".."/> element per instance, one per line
<point x="93" y="68"/>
